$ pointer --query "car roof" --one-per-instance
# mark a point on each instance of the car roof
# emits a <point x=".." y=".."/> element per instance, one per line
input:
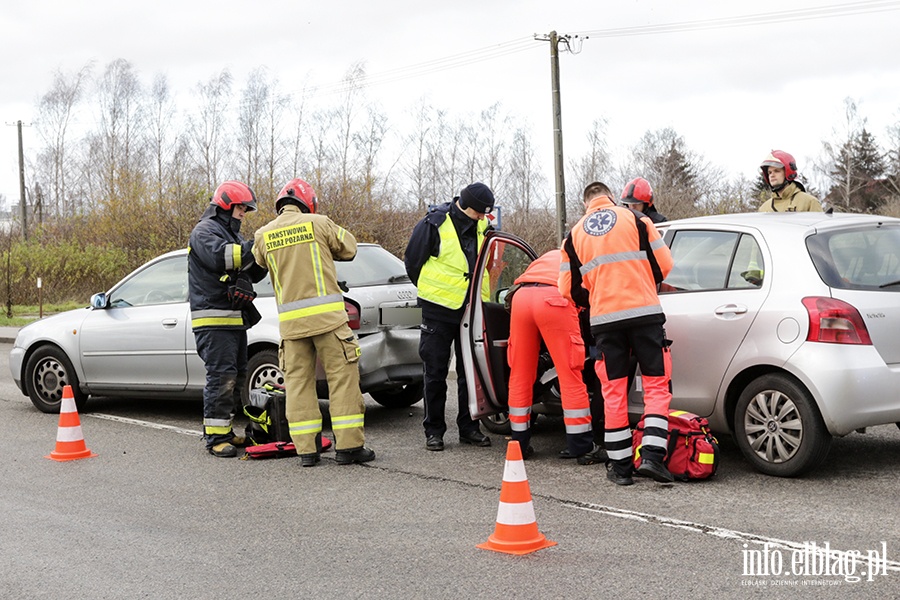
<point x="773" y="220"/>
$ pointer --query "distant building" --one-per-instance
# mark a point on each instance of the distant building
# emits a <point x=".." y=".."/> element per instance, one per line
<point x="6" y="220"/>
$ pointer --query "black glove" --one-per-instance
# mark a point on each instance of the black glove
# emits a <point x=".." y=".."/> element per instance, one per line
<point x="241" y="293"/>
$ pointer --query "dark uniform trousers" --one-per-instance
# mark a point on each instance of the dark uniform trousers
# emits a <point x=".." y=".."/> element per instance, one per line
<point x="434" y="350"/>
<point x="224" y="352"/>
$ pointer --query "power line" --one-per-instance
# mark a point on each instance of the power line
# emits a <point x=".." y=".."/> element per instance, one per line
<point x="786" y="16"/>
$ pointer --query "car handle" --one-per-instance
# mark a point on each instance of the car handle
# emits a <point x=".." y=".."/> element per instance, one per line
<point x="169" y="323"/>
<point x="731" y="309"/>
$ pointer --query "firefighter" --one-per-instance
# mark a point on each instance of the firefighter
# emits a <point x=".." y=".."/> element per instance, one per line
<point x="779" y="172"/>
<point x="440" y="259"/>
<point x="638" y="194"/>
<point x="538" y="312"/>
<point x="612" y="262"/>
<point x="221" y="273"/>
<point x="299" y="248"/>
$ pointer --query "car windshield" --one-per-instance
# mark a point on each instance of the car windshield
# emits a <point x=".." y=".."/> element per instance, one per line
<point x="858" y="259"/>
<point x="373" y="265"/>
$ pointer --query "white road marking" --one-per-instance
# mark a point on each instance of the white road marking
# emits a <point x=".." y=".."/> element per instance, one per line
<point x="148" y="424"/>
<point x="720" y="532"/>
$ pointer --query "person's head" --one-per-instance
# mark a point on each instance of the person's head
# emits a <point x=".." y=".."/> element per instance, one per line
<point x="778" y="169"/>
<point x="637" y="194"/>
<point x="595" y="189"/>
<point x="235" y="197"/>
<point x="299" y="193"/>
<point x="476" y="200"/>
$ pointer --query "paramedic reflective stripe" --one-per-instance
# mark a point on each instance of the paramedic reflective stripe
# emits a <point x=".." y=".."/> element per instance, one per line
<point x="346" y="421"/>
<point x="577" y="420"/>
<point x="305" y="427"/>
<point x="656" y="431"/>
<point x="606" y="259"/>
<point x="618" y="443"/>
<point x="217" y="426"/>
<point x="519" y="418"/>
<point x="311" y="306"/>
<point x="232" y="257"/>
<point x="214" y="317"/>
<point x="621" y="315"/>
<point x="657" y="244"/>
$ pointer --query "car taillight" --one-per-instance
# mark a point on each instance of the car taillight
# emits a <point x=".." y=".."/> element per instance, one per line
<point x="352" y="313"/>
<point x="835" y="322"/>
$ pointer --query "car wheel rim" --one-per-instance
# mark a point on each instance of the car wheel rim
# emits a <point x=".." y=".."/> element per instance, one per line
<point x="49" y="380"/>
<point x="266" y="374"/>
<point x="499" y="418"/>
<point x="773" y="426"/>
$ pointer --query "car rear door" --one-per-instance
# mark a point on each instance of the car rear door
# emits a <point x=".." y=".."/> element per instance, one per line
<point x="709" y="305"/>
<point x="138" y="342"/>
<point x="485" y="323"/>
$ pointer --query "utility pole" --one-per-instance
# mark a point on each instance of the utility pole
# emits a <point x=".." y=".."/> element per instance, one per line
<point x="22" y="208"/>
<point x="558" y="163"/>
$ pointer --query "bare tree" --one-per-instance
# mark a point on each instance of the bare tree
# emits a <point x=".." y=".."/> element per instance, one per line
<point x="207" y="126"/>
<point x="55" y="111"/>
<point x="160" y="116"/>
<point x="120" y="131"/>
<point x="593" y="165"/>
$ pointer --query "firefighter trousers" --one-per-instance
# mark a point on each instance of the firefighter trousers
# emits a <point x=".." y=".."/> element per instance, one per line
<point x="338" y="351"/>
<point x="224" y="353"/>
<point x="538" y="313"/>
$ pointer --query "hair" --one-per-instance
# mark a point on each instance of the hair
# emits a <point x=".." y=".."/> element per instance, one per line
<point x="596" y="189"/>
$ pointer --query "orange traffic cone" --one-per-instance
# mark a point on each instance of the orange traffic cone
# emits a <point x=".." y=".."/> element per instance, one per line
<point x="516" y="531"/>
<point x="69" y="439"/>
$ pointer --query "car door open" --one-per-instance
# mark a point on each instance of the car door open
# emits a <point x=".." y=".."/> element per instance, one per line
<point x="485" y="324"/>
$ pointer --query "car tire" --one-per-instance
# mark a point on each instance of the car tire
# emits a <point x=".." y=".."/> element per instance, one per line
<point x="778" y="427"/>
<point x="399" y="397"/>
<point x="47" y="372"/>
<point x="497" y="423"/>
<point x="262" y="368"/>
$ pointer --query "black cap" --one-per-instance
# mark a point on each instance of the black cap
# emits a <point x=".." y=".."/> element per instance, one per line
<point x="477" y="196"/>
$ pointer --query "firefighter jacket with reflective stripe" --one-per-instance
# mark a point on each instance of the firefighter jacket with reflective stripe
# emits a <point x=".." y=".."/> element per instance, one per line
<point x="619" y="258"/>
<point x="792" y="198"/>
<point x="441" y="256"/>
<point x="300" y="249"/>
<point x="216" y="254"/>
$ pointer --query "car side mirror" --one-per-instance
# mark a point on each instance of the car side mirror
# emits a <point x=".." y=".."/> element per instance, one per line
<point x="99" y="300"/>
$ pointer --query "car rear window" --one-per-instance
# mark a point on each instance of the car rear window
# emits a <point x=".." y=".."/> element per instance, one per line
<point x="858" y="259"/>
<point x="373" y="265"/>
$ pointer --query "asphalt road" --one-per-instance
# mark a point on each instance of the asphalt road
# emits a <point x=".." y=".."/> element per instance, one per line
<point x="154" y="516"/>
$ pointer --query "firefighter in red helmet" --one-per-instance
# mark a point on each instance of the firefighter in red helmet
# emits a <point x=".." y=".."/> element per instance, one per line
<point x="638" y="194"/>
<point x="221" y="273"/>
<point x="299" y="247"/>
<point x="779" y="172"/>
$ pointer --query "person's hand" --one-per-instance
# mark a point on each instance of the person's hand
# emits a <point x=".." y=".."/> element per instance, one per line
<point x="241" y="293"/>
<point x="753" y="277"/>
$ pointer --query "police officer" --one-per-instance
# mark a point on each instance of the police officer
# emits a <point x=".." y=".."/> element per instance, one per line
<point x="617" y="256"/>
<point x="440" y="259"/>
<point x="220" y="275"/>
<point x="299" y="248"/>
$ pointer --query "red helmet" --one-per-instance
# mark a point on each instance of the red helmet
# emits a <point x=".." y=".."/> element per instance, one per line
<point x="638" y="191"/>
<point x="298" y="192"/>
<point x="780" y="160"/>
<point x="230" y="193"/>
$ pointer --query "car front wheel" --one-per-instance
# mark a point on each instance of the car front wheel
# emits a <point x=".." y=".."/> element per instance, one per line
<point x="399" y="397"/>
<point x="778" y="427"/>
<point x="262" y="369"/>
<point x="47" y="372"/>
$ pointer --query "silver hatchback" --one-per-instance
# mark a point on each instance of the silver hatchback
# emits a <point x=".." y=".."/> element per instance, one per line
<point x="136" y="339"/>
<point x="785" y="329"/>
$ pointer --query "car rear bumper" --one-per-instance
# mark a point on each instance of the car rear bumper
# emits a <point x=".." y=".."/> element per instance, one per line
<point x="389" y="357"/>
<point x="853" y="385"/>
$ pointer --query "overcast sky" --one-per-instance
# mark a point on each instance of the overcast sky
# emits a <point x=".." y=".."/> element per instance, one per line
<point x="733" y="89"/>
